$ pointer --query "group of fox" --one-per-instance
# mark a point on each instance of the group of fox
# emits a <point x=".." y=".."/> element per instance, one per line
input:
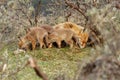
<point x="45" y="35"/>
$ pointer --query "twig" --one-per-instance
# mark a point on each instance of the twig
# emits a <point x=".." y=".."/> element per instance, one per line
<point x="71" y="5"/>
<point x="67" y="16"/>
<point x="37" y="70"/>
<point x="24" y="12"/>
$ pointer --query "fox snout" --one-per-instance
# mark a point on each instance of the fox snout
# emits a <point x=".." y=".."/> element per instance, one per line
<point x="82" y="45"/>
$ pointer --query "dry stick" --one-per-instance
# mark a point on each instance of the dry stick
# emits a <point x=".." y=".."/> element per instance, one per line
<point x="26" y="16"/>
<point x="67" y="16"/>
<point x="24" y="12"/>
<point x="37" y="70"/>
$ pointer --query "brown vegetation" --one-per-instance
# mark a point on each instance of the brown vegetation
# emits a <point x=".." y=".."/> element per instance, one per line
<point x="105" y="67"/>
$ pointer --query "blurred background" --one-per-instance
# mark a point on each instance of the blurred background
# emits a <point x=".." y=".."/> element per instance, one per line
<point x="100" y="17"/>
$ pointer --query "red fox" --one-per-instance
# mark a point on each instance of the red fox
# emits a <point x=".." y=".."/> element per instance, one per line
<point x="34" y="35"/>
<point x="59" y="35"/>
<point x="79" y="30"/>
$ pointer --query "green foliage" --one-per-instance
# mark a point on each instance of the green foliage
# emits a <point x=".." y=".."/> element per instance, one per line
<point x="53" y="62"/>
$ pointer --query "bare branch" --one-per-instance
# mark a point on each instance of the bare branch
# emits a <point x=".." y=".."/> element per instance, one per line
<point x="24" y="12"/>
<point x="71" y="5"/>
<point x="37" y="70"/>
<point x="26" y="16"/>
<point x="37" y="12"/>
<point x="67" y="16"/>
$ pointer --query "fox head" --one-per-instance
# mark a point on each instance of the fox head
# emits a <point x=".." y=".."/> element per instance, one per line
<point x="23" y="44"/>
<point x="83" y="38"/>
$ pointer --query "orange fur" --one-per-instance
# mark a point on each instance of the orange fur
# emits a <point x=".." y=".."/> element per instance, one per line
<point x="83" y="39"/>
<point x="59" y="35"/>
<point x="69" y="25"/>
<point x="32" y="36"/>
<point x="79" y="30"/>
<point x="46" y="27"/>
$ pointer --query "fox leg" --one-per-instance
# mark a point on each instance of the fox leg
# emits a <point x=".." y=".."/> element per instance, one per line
<point x="33" y="42"/>
<point x="78" y="42"/>
<point x="50" y="45"/>
<point x="44" y="45"/>
<point x="33" y="45"/>
<point x="46" y="41"/>
<point x="59" y="44"/>
<point x="70" y="42"/>
<point x="41" y="43"/>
